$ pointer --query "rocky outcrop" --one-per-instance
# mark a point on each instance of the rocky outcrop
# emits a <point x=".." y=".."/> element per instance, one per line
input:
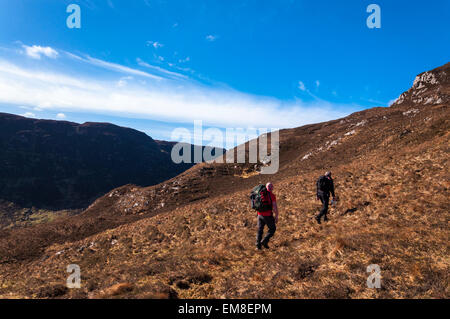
<point x="429" y="88"/>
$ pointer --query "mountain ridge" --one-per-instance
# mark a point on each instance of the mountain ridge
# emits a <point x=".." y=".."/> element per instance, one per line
<point x="65" y="165"/>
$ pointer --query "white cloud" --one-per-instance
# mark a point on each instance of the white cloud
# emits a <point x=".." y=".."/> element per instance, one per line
<point x="170" y="100"/>
<point x="60" y="116"/>
<point x="155" y="44"/>
<point x="46" y="77"/>
<point x="301" y="86"/>
<point x="37" y="51"/>
<point x="211" y="37"/>
<point x="29" y="114"/>
<point x="187" y="59"/>
<point x="123" y="81"/>
<point x="317" y="83"/>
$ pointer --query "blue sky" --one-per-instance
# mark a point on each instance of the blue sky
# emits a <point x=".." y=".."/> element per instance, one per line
<point x="155" y="65"/>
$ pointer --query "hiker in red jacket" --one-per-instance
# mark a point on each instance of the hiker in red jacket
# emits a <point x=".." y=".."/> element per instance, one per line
<point x="267" y="218"/>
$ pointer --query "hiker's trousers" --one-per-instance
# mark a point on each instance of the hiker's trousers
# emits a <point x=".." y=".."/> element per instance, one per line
<point x="263" y="221"/>
<point x="324" y="198"/>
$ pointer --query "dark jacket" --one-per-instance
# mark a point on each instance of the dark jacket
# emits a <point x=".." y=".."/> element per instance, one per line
<point x="327" y="186"/>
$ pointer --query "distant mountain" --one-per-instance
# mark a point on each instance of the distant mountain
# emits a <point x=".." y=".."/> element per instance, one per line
<point x="60" y="164"/>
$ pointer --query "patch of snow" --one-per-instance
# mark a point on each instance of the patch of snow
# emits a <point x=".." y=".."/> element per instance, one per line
<point x="306" y="156"/>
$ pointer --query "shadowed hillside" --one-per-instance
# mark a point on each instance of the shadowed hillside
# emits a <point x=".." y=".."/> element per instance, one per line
<point x="193" y="235"/>
<point x="56" y="165"/>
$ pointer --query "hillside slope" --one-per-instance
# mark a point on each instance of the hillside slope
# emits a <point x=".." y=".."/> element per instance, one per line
<point x="193" y="236"/>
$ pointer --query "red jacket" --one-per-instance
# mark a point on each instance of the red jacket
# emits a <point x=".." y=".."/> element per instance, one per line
<point x="269" y="212"/>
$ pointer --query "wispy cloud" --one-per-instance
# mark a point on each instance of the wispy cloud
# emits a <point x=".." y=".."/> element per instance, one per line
<point x="174" y="103"/>
<point x="60" y="116"/>
<point x="155" y="44"/>
<point x="159" y="69"/>
<point x="175" y="99"/>
<point x="123" y="81"/>
<point x="301" y="86"/>
<point x="211" y="37"/>
<point x="113" y="66"/>
<point x="37" y="51"/>
<point x="186" y="59"/>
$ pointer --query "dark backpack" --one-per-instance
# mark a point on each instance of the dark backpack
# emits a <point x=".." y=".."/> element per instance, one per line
<point x="322" y="184"/>
<point x="260" y="198"/>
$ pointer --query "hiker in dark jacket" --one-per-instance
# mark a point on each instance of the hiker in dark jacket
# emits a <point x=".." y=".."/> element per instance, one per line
<point x="267" y="218"/>
<point x="325" y="186"/>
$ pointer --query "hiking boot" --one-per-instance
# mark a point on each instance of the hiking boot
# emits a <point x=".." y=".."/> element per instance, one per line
<point x="318" y="219"/>
<point x="266" y="245"/>
<point x="258" y="247"/>
<point x="325" y="219"/>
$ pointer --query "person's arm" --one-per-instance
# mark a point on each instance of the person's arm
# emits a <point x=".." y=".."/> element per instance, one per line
<point x="317" y="189"/>
<point x="332" y="189"/>
<point x="275" y="211"/>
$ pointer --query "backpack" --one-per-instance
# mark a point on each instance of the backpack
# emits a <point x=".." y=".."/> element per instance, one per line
<point x="322" y="184"/>
<point x="260" y="198"/>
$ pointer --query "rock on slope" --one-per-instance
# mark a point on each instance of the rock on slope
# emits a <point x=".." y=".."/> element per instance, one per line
<point x="391" y="174"/>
